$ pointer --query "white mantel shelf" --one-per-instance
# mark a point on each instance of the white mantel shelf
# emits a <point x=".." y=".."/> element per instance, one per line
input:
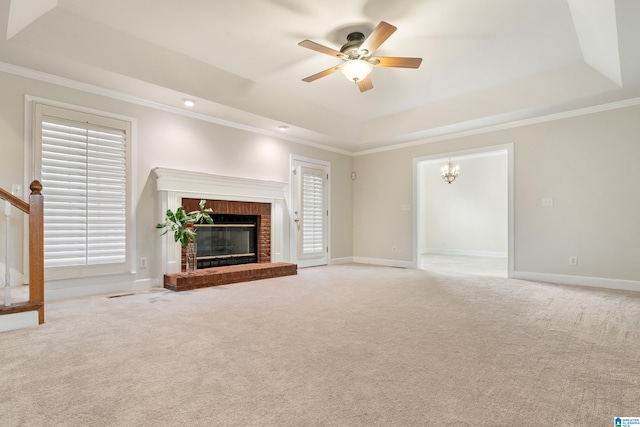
<point x="173" y="185"/>
<point x="226" y="187"/>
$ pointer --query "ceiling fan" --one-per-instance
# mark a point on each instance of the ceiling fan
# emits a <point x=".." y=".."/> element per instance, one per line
<point x="357" y="56"/>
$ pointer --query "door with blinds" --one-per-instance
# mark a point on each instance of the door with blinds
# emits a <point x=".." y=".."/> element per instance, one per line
<point x="310" y="213"/>
<point x="81" y="160"/>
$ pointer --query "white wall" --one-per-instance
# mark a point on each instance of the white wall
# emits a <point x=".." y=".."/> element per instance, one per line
<point x="173" y="141"/>
<point x="470" y="215"/>
<point x="588" y="164"/>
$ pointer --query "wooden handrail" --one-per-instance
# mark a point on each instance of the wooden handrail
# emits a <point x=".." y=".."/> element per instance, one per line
<point x="18" y="203"/>
<point x="35" y="209"/>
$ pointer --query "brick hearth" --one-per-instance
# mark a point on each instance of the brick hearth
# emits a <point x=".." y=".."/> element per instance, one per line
<point x="229" y="274"/>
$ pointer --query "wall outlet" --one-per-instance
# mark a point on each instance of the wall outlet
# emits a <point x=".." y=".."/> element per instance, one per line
<point x="547" y="201"/>
<point x="573" y="260"/>
<point x="143" y="262"/>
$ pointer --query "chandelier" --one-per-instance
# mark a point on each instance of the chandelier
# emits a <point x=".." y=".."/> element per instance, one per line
<point x="450" y="172"/>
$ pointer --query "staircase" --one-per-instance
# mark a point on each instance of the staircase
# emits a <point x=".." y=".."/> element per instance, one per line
<point x="24" y="314"/>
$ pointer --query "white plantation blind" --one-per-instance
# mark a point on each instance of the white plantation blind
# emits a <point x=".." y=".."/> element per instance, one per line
<point x="83" y="166"/>
<point x="312" y="212"/>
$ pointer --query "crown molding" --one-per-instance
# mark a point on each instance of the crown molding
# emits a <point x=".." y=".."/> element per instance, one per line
<point x="508" y="125"/>
<point x="120" y="96"/>
<point x="444" y="136"/>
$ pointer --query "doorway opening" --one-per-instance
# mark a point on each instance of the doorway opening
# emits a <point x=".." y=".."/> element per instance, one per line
<point x="466" y="226"/>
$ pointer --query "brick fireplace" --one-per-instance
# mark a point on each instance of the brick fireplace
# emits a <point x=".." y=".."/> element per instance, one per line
<point x="225" y="195"/>
<point x="262" y="211"/>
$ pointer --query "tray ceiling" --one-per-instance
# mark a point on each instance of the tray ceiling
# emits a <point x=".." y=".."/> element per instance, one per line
<point x="484" y="63"/>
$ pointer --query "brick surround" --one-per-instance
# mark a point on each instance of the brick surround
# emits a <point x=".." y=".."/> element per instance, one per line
<point x="261" y="210"/>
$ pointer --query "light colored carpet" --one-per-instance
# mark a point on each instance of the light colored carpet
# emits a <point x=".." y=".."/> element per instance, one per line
<point x="347" y="345"/>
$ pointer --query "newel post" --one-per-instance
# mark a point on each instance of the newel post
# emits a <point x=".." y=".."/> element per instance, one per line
<point x="36" y="248"/>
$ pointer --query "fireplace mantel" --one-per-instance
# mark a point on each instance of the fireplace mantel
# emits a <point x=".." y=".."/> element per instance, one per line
<point x="173" y="185"/>
<point x="222" y="187"/>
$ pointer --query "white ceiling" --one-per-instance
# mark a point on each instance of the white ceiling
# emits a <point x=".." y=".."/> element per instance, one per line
<point x="484" y="62"/>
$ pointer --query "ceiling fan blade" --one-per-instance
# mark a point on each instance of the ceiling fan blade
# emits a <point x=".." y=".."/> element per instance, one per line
<point x="382" y="32"/>
<point x="365" y="85"/>
<point x="320" y="48"/>
<point x="321" y="74"/>
<point x="390" y="61"/>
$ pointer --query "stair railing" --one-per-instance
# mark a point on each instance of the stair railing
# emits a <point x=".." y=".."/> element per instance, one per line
<point x="35" y="210"/>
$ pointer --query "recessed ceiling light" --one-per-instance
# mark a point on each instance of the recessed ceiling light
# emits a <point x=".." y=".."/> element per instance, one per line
<point x="188" y="102"/>
<point x="283" y="128"/>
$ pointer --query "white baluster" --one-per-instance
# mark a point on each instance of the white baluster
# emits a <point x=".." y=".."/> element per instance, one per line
<point x="7" y="273"/>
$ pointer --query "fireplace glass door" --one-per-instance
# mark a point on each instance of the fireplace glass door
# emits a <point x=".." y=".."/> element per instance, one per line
<point x="230" y="240"/>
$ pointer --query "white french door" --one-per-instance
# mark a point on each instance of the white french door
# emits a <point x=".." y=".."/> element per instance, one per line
<point x="310" y="216"/>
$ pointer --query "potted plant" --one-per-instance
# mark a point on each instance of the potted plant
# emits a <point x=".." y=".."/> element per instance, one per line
<point x="181" y="224"/>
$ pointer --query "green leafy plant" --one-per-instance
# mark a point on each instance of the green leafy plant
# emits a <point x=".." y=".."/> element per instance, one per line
<point x="177" y="222"/>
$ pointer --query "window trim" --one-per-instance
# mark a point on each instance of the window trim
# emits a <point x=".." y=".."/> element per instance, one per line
<point x="33" y="171"/>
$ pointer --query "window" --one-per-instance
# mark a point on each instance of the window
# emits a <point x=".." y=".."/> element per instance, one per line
<point x="82" y="160"/>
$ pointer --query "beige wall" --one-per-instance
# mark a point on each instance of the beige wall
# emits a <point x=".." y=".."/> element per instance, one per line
<point x="588" y="164"/>
<point x="470" y="215"/>
<point x="174" y="141"/>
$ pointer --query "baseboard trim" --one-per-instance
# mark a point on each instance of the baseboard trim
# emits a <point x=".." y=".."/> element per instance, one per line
<point x="596" y="282"/>
<point x="384" y="262"/>
<point x="489" y="254"/>
<point x="78" y="288"/>
<point x="14" y="321"/>
<point x="339" y="261"/>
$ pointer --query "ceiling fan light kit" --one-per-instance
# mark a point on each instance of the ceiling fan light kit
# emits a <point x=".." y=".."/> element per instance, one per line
<point x="357" y="56"/>
<point x="356" y="70"/>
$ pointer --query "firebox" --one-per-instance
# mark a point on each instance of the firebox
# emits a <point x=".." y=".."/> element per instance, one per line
<point x="230" y="240"/>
